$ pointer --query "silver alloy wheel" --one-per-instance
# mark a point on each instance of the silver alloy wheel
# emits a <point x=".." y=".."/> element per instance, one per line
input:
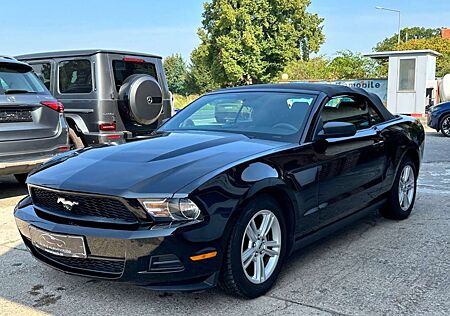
<point x="406" y="187"/>
<point x="261" y="246"/>
<point x="446" y="126"/>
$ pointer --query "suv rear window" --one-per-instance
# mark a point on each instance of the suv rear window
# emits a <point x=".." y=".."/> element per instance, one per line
<point x="75" y="76"/>
<point x="19" y="80"/>
<point x="123" y="69"/>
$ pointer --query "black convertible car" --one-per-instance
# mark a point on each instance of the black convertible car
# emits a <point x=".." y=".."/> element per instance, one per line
<point x="224" y="201"/>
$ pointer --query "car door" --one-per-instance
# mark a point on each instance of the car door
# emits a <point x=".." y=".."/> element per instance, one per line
<point x="351" y="169"/>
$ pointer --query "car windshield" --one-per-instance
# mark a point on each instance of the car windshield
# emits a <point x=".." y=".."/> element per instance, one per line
<point x="17" y="80"/>
<point x="266" y="115"/>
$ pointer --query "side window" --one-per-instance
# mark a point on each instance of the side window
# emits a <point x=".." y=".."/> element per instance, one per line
<point x="347" y="109"/>
<point x="375" y="117"/>
<point x="43" y="71"/>
<point x="75" y="76"/>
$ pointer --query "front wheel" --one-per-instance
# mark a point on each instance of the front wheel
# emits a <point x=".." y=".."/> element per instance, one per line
<point x="445" y="125"/>
<point x="256" y="249"/>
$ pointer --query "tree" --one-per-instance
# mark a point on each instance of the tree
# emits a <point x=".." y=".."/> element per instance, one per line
<point x="199" y="78"/>
<point x="406" y="34"/>
<point x="345" y="65"/>
<point x="441" y="45"/>
<point x="349" y="65"/>
<point x="316" y="68"/>
<point x="176" y="72"/>
<point x="251" y="41"/>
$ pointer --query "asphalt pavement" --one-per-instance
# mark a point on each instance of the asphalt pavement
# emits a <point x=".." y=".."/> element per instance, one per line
<point x="373" y="267"/>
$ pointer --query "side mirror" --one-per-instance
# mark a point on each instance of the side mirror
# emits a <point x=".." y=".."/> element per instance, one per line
<point x="337" y="129"/>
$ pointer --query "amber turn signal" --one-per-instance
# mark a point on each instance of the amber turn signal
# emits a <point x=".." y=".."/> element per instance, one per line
<point x="207" y="255"/>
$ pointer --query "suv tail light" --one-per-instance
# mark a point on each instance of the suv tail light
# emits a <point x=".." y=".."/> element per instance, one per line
<point x="54" y="105"/>
<point x="107" y="126"/>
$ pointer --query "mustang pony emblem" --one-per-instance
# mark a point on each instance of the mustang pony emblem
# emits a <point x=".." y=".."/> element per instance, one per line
<point x="68" y="205"/>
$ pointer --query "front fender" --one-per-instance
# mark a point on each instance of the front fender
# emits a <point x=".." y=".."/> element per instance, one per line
<point x="225" y="196"/>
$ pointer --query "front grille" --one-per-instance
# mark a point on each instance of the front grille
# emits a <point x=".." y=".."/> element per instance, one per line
<point x="89" y="266"/>
<point x="84" y="206"/>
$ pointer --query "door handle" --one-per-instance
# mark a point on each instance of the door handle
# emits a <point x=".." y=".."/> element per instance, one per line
<point x="378" y="144"/>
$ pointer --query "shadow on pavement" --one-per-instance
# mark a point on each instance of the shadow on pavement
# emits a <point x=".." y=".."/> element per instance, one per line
<point x="9" y="187"/>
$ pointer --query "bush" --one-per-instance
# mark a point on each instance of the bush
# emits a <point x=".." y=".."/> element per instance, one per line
<point x="181" y="101"/>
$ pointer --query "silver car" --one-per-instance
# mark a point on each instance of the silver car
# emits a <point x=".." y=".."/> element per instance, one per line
<point x="32" y="125"/>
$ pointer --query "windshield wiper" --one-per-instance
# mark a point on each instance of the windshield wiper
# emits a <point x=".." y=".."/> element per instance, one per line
<point x="13" y="91"/>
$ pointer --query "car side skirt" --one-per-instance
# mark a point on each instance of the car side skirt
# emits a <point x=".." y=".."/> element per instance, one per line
<point x="303" y="241"/>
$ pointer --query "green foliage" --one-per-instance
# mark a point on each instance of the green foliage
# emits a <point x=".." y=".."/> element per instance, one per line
<point x="349" y="65"/>
<point x="441" y="45"/>
<point x="176" y="72"/>
<point x="316" y="68"/>
<point x="199" y="79"/>
<point x="251" y="41"/>
<point x="345" y="65"/>
<point x="181" y="101"/>
<point x="406" y="34"/>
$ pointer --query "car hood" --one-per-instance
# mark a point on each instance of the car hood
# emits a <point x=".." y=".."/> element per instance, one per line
<point x="160" y="166"/>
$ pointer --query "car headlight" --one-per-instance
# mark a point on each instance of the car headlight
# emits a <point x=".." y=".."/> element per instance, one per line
<point x="171" y="209"/>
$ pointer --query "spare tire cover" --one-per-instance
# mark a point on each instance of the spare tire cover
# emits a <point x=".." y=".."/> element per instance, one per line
<point x="141" y="99"/>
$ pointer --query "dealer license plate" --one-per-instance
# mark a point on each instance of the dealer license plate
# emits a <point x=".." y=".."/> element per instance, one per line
<point x="57" y="244"/>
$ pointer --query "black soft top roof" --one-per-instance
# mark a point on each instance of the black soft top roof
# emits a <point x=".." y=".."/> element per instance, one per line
<point x="331" y="90"/>
<point x="84" y="52"/>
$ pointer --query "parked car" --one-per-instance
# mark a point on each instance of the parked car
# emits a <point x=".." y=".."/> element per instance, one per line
<point x="439" y="118"/>
<point x="206" y="202"/>
<point x="32" y="126"/>
<point x="109" y="96"/>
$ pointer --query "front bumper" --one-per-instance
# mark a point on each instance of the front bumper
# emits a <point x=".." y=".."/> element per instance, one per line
<point x="130" y="255"/>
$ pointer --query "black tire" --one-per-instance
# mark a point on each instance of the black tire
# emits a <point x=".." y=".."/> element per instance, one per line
<point x="74" y="140"/>
<point x="232" y="278"/>
<point x="21" y="177"/>
<point x="393" y="209"/>
<point x="444" y="125"/>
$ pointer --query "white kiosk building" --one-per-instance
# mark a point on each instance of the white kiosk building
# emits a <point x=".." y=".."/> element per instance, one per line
<point x="411" y="80"/>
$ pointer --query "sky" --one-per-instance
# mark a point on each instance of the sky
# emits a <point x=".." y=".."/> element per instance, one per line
<point x="170" y="26"/>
